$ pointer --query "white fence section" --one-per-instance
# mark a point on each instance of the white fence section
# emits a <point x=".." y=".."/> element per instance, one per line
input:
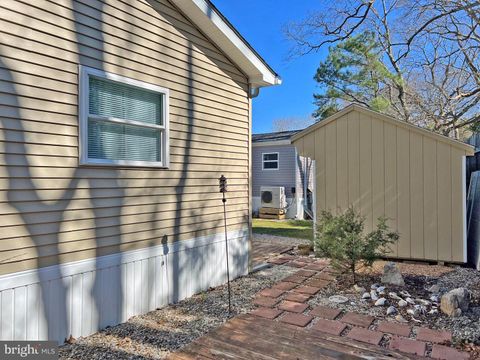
<point x="473" y="220"/>
<point x="83" y="297"/>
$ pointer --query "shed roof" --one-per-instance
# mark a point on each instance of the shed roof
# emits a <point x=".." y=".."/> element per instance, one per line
<point x="355" y="107"/>
<point x="274" y="136"/>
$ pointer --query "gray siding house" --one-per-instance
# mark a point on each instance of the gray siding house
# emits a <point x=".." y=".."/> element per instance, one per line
<point x="275" y="162"/>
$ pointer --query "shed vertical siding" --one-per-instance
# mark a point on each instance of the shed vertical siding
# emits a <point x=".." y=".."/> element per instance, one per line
<point x="383" y="167"/>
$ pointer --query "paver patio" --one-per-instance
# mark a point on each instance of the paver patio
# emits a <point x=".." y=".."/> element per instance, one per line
<point x="287" y="327"/>
<point x="252" y="338"/>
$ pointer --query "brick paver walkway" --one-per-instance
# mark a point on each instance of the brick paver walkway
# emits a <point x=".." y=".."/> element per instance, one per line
<point x="262" y="251"/>
<point x="286" y="326"/>
<point x="312" y="276"/>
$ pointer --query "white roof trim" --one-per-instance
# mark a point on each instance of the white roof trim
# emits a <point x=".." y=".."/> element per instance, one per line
<point x="271" y="143"/>
<point x="204" y="15"/>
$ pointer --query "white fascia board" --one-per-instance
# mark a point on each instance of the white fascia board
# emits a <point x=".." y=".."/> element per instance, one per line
<point x="271" y="143"/>
<point x="203" y="15"/>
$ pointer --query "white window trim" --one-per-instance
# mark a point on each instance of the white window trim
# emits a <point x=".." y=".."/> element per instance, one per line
<point x="269" y="161"/>
<point x="83" y="111"/>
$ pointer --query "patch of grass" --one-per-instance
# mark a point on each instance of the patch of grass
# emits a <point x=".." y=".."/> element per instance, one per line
<point x="300" y="229"/>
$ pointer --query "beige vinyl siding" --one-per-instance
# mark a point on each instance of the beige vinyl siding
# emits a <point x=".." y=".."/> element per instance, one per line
<point x="383" y="167"/>
<point x="53" y="211"/>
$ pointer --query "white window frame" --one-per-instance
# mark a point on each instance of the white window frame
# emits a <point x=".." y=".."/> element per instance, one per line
<point x="270" y="161"/>
<point x="83" y="110"/>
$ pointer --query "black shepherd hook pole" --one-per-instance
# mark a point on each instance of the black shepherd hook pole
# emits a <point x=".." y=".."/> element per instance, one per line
<point x="223" y="190"/>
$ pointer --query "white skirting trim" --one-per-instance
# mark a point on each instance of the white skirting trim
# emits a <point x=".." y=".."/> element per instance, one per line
<point x="82" y="297"/>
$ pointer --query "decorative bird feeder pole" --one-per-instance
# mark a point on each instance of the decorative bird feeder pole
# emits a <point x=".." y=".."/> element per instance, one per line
<point x="223" y="190"/>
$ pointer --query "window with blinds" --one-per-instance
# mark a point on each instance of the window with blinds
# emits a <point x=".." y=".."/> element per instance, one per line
<point x="123" y="121"/>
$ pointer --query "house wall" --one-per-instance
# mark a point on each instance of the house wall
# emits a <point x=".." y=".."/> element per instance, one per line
<point x="55" y="214"/>
<point x="287" y="176"/>
<point x="383" y="167"/>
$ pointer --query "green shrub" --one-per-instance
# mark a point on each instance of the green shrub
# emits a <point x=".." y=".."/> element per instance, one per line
<point x="341" y="238"/>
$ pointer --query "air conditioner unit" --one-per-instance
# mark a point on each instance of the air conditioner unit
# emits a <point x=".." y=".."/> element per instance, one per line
<point x="273" y="197"/>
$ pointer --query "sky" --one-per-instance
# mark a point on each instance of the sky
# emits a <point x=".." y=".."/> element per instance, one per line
<point x="261" y="22"/>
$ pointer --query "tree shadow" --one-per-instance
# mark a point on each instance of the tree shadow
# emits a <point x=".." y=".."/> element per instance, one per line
<point x="50" y="249"/>
<point x="105" y="287"/>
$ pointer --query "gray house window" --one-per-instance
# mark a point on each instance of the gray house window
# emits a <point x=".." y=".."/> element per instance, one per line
<point x="270" y="161"/>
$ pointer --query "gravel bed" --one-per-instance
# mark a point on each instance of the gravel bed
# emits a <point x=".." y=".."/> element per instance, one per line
<point x="158" y="333"/>
<point x="280" y="240"/>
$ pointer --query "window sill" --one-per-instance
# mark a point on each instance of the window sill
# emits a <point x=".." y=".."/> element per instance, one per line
<point x="122" y="164"/>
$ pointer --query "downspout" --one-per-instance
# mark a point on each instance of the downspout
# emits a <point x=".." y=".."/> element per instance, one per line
<point x="250" y="191"/>
<point x="305" y="185"/>
<point x="254" y="92"/>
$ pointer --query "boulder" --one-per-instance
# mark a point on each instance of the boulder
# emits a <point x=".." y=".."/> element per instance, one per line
<point x="455" y="302"/>
<point x="391" y="275"/>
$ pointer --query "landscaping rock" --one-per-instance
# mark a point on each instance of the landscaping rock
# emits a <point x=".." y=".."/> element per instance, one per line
<point x="366" y="295"/>
<point x="373" y="295"/>
<point x="434" y="298"/>
<point x="374" y="287"/>
<point x="410" y="301"/>
<point x="402" y="303"/>
<point x="338" y="299"/>
<point x="391" y="275"/>
<point x="423" y="302"/>
<point x="434" y="289"/>
<point x="359" y="289"/>
<point x="391" y="310"/>
<point x="394" y="296"/>
<point x="401" y="319"/>
<point x="412" y="312"/>
<point x="381" y="290"/>
<point x="405" y="293"/>
<point x="380" y="302"/>
<point x="455" y="302"/>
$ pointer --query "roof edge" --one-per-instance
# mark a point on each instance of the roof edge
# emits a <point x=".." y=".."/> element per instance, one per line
<point x="356" y="107"/>
<point x="223" y="34"/>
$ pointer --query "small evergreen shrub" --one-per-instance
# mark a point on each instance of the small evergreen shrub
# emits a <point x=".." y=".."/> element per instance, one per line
<point x="341" y="238"/>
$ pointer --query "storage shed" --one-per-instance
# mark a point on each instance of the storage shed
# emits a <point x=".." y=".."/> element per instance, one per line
<point x="386" y="167"/>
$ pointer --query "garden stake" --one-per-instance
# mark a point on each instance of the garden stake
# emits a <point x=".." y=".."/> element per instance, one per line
<point x="223" y="190"/>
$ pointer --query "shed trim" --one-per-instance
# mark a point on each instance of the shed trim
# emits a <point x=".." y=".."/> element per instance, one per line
<point x="355" y="107"/>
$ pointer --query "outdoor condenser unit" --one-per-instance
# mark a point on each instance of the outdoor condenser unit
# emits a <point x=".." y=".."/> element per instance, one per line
<point x="273" y="197"/>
